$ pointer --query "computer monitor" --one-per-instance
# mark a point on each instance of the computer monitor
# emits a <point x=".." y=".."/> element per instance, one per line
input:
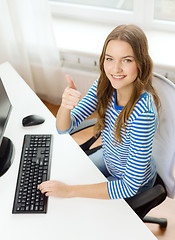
<point x="6" y="145"/>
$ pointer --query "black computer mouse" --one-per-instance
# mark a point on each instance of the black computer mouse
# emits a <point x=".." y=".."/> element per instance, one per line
<point x="32" y="120"/>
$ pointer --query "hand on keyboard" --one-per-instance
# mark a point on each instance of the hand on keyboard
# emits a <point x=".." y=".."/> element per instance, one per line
<point x="55" y="188"/>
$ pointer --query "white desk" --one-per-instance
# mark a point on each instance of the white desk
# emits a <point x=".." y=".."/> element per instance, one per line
<point x="77" y="218"/>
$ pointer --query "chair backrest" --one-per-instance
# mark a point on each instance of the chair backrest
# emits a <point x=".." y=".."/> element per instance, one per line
<point x="164" y="140"/>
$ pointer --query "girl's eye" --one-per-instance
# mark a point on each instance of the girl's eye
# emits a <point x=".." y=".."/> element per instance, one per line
<point x="127" y="60"/>
<point x="108" y="59"/>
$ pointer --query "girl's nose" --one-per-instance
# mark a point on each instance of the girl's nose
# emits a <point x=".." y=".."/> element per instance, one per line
<point x="118" y="67"/>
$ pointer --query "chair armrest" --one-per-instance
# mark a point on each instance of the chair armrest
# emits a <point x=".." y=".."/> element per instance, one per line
<point x="85" y="124"/>
<point x="143" y="202"/>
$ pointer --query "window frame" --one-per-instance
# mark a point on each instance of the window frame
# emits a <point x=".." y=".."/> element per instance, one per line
<point x="142" y="15"/>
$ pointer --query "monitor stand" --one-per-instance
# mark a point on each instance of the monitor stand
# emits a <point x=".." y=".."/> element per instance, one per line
<point x="6" y="152"/>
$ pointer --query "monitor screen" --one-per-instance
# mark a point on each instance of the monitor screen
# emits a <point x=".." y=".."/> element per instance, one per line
<point x="5" y="143"/>
<point x="5" y="108"/>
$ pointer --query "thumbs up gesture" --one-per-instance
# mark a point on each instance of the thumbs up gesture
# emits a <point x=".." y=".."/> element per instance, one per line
<point x="71" y="96"/>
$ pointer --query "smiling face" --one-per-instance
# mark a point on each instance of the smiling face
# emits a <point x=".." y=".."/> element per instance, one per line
<point x="120" y="66"/>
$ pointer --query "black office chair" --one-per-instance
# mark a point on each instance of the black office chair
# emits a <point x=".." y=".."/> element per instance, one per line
<point x="163" y="152"/>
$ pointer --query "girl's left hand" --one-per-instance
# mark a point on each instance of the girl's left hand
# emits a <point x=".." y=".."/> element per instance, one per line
<point x="55" y="188"/>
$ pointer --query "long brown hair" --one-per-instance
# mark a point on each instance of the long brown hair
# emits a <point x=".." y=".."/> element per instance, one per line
<point x="133" y="35"/>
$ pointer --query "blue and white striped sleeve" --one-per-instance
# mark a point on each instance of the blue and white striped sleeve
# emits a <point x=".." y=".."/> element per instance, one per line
<point x="141" y="135"/>
<point x="84" y="109"/>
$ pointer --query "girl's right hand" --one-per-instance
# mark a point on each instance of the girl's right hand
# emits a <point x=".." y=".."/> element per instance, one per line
<point x="71" y="96"/>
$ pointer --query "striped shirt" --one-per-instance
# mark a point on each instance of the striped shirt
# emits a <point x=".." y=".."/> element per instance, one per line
<point x="130" y="161"/>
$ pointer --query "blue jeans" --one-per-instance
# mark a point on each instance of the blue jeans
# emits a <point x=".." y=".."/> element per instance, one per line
<point x="97" y="159"/>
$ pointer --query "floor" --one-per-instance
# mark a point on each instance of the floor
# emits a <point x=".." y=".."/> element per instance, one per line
<point x="165" y="210"/>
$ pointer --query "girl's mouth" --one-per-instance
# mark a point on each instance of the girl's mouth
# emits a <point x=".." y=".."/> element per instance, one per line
<point x="118" y="77"/>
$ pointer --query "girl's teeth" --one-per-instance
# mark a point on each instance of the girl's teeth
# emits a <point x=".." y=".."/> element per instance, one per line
<point x="118" y="77"/>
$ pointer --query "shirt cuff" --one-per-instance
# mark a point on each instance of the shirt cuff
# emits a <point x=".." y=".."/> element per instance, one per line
<point x="64" y="132"/>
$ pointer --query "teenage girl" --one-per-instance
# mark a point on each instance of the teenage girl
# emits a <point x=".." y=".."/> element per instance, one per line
<point x="127" y="107"/>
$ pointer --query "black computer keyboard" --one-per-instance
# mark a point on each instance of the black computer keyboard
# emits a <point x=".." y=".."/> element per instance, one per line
<point x="34" y="168"/>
